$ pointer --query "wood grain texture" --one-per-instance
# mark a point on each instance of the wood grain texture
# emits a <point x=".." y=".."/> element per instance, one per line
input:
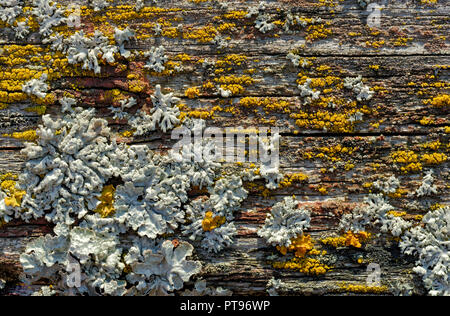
<point x="412" y="61"/>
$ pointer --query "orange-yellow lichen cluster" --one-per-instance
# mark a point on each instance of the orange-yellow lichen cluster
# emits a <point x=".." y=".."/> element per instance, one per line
<point x="428" y="1"/>
<point x="235" y="84"/>
<point x="106" y="206"/>
<point x="318" y="31"/>
<point x="347" y="240"/>
<point x="321" y="82"/>
<point x="299" y="246"/>
<point x="399" y="193"/>
<point x="14" y="195"/>
<point x="127" y="134"/>
<point x="205" y="34"/>
<point x="22" y="63"/>
<point x="439" y="101"/>
<point x="402" y="41"/>
<point x="432" y="145"/>
<point x="309" y="266"/>
<point x="121" y="16"/>
<point x="257" y="188"/>
<point x="302" y="246"/>
<point x="230" y="61"/>
<point x="29" y="135"/>
<point x="409" y="159"/>
<point x="411" y="162"/>
<point x="325" y="120"/>
<point x="332" y="153"/>
<point x="397" y="214"/>
<point x="267" y="104"/>
<point x="363" y="288"/>
<point x="290" y="179"/>
<point x="198" y="113"/>
<point x="235" y="15"/>
<point x="434" y="158"/>
<point x="192" y="93"/>
<point x="209" y="222"/>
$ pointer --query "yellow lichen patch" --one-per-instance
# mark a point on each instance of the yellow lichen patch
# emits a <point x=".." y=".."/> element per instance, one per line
<point x="432" y="145"/>
<point x="192" y="93"/>
<point x="182" y="117"/>
<point x="434" y="158"/>
<point x="363" y="288"/>
<point x="321" y="82"/>
<point x="124" y="13"/>
<point x="8" y="176"/>
<point x="23" y="63"/>
<point x="308" y="266"/>
<point x="439" y="101"/>
<point x="14" y="55"/>
<point x="325" y="120"/>
<point x="183" y="58"/>
<point x="402" y="41"/>
<point x="328" y="3"/>
<point x="398" y="193"/>
<point x="199" y="1"/>
<point x="201" y="114"/>
<point x="20" y="64"/>
<point x="226" y="27"/>
<point x="412" y="167"/>
<point x="347" y="240"/>
<point x="127" y="134"/>
<point x="324" y="68"/>
<point x="327" y="101"/>
<point x="235" y="89"/>
<point x="322" y="190"/>
<point x="231" y="60"/>
<point x="349" y="166"/>
<point x="235" y="15"/>
<point x="233" y="79"/>
<point x="257" y="188"/>
<point x="8" y="185"/>
<point x="299" y="246"/>
<point x="409" y="159"/>
<point x="106" y="206"/>
<point x="267" y="104"/>
<point x="209" y="222"/>
<point x="170" y="32"/>
<point x="204" y="34"/>
<point x="29" y="135"/>
<point x="375" y="44"/>
<point x="426" y="121"/>
<point x="39" y="110"/>
<point x="208" y="85"/>
<point x="318" y="31"/>
<point x="114" y="95"/>
<point x="15" y="199"/>
<point x="290" y="179"/>
<point x="436" y="206"/>
<point x="397" y="214"/>
<point x="136" y="86"/>
<point x="333" y="153"/>
<point x="428" y="1"/>
<point x="48" y="100"/>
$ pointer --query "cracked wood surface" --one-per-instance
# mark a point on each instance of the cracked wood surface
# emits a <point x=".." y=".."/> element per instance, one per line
<point x="407" y="75"/>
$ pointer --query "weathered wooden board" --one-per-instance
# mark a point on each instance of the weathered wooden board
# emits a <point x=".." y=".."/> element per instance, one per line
<point x="405" y="61"/>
